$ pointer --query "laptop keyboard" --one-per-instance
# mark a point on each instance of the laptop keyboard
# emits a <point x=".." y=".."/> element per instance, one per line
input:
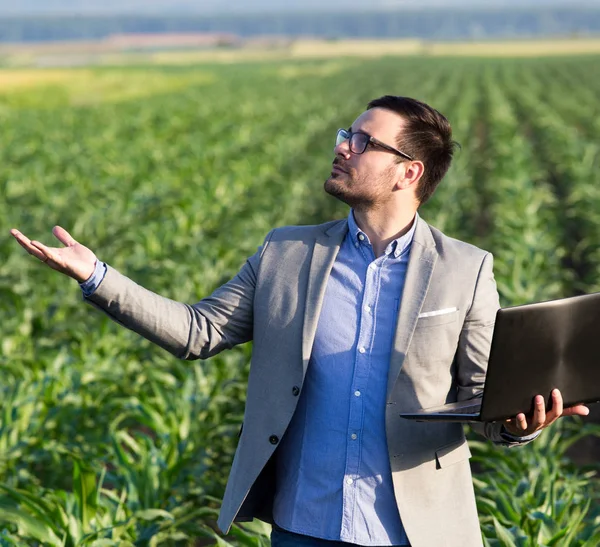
<point x="474" y="409"/>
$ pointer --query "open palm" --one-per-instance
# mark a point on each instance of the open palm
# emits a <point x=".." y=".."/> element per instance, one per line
<point x="74" y="259"/>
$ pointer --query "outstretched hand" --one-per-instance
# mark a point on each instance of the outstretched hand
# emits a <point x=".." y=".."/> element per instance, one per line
<point x="542" y="418"/>
<point x="73" y="259"/>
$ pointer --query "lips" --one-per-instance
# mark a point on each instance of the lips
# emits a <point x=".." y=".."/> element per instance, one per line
<point x="336" y="167"/>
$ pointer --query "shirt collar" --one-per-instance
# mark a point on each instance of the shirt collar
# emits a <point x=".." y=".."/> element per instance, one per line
<point x="396" y="247"/>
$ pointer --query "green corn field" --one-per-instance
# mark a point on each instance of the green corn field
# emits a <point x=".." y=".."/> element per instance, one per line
<point x="174" y="175"/>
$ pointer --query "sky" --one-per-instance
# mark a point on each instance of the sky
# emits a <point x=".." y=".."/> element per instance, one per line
<point x="35" y="7"/>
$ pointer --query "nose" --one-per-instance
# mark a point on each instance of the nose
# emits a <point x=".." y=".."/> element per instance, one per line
<point x="342" y="149"/>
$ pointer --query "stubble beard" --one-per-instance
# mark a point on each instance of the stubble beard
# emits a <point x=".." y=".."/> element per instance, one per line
<point x="358" y="193"/>
<point x="340" y="186"/>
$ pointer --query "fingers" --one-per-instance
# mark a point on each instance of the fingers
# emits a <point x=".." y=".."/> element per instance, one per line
<point x="521" y="421"/>
<point x="26" y="243"/>
<point x="557" y="406"/>
<point x="539" y="412"/>
<point x="47" y="253"/>
<point x="558" y="409"/>
<point x="63" y="236"/>
<point x="541" y="418"/>
<point x="517" y="425"/>
<point x="41" y="251"/>
<point x="577" y="410"/>
<point x="538" y="419"/>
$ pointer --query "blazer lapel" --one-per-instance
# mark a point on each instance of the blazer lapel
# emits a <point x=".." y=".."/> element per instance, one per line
<point x="423" y="256"/>
<point x="326" y="248"/>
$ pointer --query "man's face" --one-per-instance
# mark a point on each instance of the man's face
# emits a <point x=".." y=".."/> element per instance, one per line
<point x="367" y="179"/>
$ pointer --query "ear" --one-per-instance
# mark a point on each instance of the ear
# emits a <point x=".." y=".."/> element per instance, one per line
<point x="413" y="171"/>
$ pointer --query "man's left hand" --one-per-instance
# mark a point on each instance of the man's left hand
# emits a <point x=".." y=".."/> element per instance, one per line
<point x="519" y="426"/>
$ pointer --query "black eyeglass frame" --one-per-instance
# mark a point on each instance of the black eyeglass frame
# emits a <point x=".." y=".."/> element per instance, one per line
<point x="347" y="135"/>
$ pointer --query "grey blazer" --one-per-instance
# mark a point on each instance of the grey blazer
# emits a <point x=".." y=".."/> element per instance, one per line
<point x="275" y="300"/>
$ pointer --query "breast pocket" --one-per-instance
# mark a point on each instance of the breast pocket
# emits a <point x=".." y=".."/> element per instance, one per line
<point x="441" y="318"/>
<point x="435" y="338"/>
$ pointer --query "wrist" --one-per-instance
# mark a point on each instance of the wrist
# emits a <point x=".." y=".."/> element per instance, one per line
<point x="519" y="437"/>
<point x="85" y="273"/>
<point x="90" y="285"/>
<point x="513" y="430"/>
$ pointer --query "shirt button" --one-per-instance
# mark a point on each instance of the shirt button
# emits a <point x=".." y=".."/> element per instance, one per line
<point x="273" y="439"/>
<point x="367" y="308"/>
<point x="357" y="393"/>
<point x="295" y="391"/>
<point x="349" y="480"/>
<point x="361" y="237"/>
<point x="353" y="436"/>
<point x="361" y="350"/>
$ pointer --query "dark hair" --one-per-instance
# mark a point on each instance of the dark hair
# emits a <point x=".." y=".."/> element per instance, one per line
<point x="426" y="136"/>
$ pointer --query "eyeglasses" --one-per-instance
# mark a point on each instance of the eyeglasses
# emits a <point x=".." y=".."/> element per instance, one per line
<point x="358" y="142"/>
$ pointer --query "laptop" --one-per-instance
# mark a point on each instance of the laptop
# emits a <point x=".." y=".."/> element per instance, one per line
<point x="535" y="348"/>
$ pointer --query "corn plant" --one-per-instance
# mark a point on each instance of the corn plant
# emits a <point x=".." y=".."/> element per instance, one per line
<point x="534" y="496"/>
<point x="174" y="176"/>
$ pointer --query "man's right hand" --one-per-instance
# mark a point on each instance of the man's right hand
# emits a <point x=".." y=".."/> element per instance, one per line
<point x="73" y="259"/>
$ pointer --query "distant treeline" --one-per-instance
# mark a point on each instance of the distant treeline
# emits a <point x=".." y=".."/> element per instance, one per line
<point x="439" y="24"/>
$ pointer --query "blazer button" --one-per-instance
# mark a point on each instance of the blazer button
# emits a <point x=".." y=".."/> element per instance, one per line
<point x="273" y="439"/>
<point x="296" y="391"/>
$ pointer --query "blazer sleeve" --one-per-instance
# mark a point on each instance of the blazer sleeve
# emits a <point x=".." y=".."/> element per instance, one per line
<point x="474" y="348"/>
<point x="197" y="331"/>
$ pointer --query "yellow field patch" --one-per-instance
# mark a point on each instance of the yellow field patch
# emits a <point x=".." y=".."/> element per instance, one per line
<point x="320" y="69"/>
<point x="211" y="56"/>
<point x="14" y="79"/>
<point x="321" y="49"/>
<point x="354" y="48"/>
<point x="378" y="48"/>
<point x="95" y="54"/>
<point x="297" y="49"/>
<point x="88" y="86"/>
<point x="524" y="48"/>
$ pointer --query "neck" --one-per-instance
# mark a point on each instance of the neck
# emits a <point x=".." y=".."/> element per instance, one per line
<point x="383" y="226"/>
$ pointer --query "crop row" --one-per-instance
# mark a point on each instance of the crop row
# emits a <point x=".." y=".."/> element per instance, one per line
<point x="106" y="440"/>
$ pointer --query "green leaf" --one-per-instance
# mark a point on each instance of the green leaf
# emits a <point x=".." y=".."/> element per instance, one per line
<point x="504" y="504"/>
<point x="505" y="537"/>
<point x="30" y="527"/>
<point x="523" y="487"/>
<point x="222" y="543"/>
<point x="548" y="528"/>
<point x="486" y="505"/>
<point x="41" y="509"/>
<point x="153" y="514"/>
<point x="84" y="485"/>
<point x="557" y="537"/>
<point x="594" y="541"/>
<point x="576" y="520"/>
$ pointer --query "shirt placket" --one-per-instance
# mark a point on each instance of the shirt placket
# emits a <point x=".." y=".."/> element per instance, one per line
<point x="362" y="366"/>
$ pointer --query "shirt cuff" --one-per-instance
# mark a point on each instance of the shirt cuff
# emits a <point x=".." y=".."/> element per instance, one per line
<point x="514" y="438"/>
<point x="93" y="282"/>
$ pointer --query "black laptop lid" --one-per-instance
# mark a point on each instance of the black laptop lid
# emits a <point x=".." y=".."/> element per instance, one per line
<point x="537" y="347"/>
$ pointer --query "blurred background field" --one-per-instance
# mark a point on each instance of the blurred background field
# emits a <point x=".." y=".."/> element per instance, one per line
<point x="110" y="53"/>
<point x="172" y="168"/>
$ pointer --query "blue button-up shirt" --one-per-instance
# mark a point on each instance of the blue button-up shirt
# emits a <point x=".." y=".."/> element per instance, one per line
<point x="333" y="471"/>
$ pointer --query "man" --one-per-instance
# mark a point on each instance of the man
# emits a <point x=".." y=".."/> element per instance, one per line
<point x="352" y="322"/>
